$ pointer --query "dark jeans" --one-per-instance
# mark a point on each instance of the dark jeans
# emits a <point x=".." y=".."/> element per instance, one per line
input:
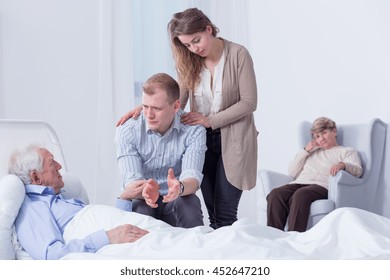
<point x="221" y="197"/>
<point x="185" y="211"/>
<point x="292" y="201"/>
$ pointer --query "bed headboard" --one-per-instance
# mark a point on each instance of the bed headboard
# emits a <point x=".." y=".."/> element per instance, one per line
<point x="16" y="133"/>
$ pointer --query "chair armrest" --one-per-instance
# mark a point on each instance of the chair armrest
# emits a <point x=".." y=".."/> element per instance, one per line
<point x="271" y="179"/>
<point x="345" y="178"/>
<point x="347" y="190"/>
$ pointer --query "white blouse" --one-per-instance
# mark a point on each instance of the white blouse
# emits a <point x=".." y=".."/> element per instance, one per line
<point x="208" y="94"/>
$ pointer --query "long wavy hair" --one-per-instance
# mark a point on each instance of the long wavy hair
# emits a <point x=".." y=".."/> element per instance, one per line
<point x="188" y="64"/>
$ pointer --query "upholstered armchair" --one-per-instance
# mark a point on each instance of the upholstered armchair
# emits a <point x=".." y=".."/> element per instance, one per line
<point x="345" y="190"/>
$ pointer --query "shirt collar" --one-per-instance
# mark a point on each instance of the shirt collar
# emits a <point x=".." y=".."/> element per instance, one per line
<point x="38" y="189"/>
<point x="176" y="124"/>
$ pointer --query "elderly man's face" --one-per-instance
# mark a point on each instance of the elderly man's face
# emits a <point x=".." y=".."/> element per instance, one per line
<point x="49" y="175"/>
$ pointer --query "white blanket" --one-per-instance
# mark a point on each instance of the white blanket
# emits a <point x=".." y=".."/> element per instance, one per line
<point x="346" y="233"/>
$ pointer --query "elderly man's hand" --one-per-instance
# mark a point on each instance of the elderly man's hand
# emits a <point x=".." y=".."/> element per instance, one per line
<point x="125" y="233"/>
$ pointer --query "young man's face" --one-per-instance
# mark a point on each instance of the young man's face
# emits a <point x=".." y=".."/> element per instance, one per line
<point x="49" y="175"/>
<point x="158" y="112"/>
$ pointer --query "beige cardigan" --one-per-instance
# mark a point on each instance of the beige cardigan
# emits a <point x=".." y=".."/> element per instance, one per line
<point x="236" y="121"/>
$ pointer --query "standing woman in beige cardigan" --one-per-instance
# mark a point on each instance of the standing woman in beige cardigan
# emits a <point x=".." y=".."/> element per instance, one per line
<point x="218" y="78"/>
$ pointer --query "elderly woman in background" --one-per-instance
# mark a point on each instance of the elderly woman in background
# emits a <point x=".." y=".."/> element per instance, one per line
<point x="321" y="157"/>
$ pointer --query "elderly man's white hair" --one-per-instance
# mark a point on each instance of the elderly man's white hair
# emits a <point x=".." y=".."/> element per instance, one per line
<point x="24" y="160"/>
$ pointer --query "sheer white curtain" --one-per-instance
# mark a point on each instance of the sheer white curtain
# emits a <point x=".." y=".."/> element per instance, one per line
<point x="152" y="52"/>
<point x="1" y="69"/>
<point x="116" y="91"/>
<point x="231" y="17"/>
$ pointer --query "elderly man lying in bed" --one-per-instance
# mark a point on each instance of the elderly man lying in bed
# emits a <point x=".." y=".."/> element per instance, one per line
<point x="49" y="227"/>
<point x="45" y="214"/>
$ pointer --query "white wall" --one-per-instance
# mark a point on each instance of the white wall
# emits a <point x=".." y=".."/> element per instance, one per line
<point x="317" y="58"/>
<point x="312" y="58"/>
<point x="50" y="72"/>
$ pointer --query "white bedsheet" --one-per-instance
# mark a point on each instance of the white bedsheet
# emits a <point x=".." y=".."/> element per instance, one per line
<point x="346" y="233"/>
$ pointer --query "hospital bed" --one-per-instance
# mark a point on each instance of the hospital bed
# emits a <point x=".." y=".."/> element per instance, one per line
<point x="13" y="134"/>
<point x="346" y="233"/>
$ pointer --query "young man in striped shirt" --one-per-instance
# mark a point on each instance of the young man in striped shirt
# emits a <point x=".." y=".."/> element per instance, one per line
<point x="160" y="158"/>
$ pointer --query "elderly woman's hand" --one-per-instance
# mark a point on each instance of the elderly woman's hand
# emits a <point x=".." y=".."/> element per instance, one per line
<point x="311" y="146"/>
<point x="337" y="167"/>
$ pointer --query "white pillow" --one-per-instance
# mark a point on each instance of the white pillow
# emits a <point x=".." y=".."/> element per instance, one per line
<point x="73" y="188"/>
<point x="12" y="194"/>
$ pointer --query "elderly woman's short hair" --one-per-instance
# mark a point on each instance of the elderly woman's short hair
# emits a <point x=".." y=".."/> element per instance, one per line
<point x="322" y="124"/>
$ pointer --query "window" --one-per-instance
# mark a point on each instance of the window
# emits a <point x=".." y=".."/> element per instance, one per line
<point x="151" y="50"/>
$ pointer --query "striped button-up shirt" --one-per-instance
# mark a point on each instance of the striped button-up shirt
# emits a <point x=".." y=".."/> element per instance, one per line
<point x="146" y="154"/>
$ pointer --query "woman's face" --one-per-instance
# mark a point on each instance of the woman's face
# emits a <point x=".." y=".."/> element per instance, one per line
<point x="199" y="43"/>
<point x="326" y="139"/>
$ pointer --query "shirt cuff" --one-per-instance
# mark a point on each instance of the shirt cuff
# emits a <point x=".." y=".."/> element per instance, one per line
<point x="124" y="204"/>
<point x="99" y="239"/>
<point x="303" y="153"/>
<point x="192" y="173"/>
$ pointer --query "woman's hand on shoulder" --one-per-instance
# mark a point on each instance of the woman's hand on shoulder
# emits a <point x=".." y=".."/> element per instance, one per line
<point x="194" y="118"/>
<point x="131" y="114"/>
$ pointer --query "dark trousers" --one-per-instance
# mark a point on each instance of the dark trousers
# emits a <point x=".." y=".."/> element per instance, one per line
<point x="184" y="211"/>
<point x="221" y="198"/>
<point x="292" y="201"/>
